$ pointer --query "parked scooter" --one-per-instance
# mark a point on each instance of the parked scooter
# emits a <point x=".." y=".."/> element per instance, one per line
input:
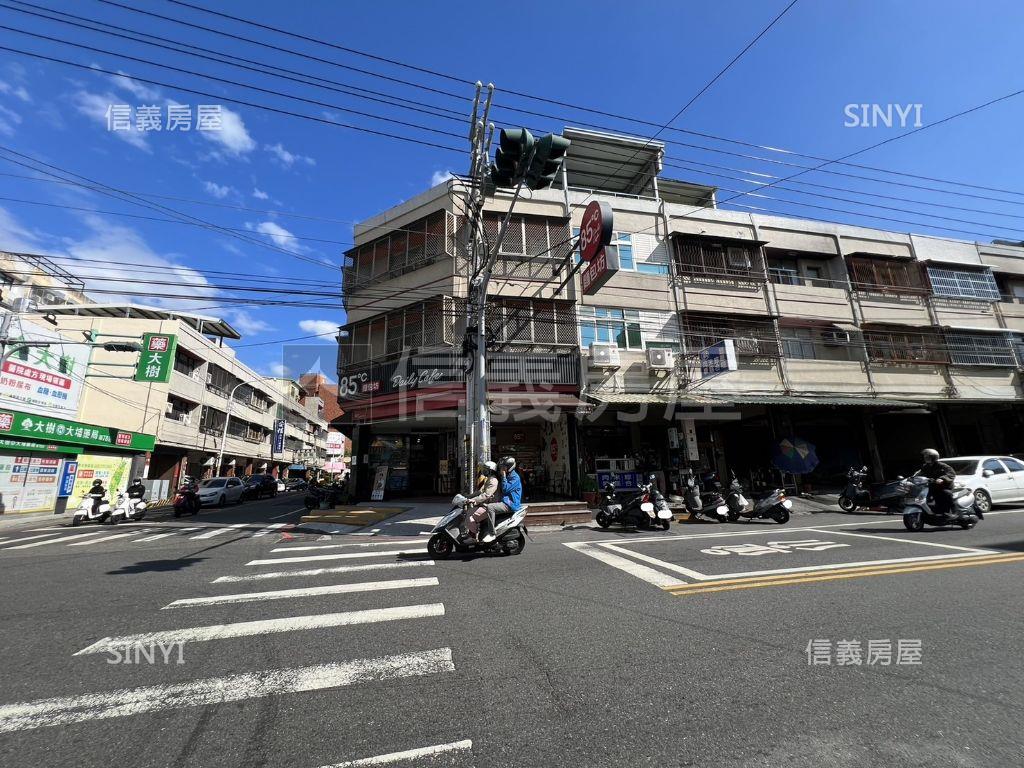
<point x="88" y="512"/>
<point x="918" y="511"/>
<point x="775" y="506"/>
<point x="646" y="508"/>
<point x="186" y="499"/>
<point x="857" y="495"/>
<point x="127" y="509"/>
<point x="507" y="538"/>
<point x="710" y="504"/>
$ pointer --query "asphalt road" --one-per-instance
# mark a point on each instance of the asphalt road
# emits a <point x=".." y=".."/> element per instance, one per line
<point x="592" y="648"/>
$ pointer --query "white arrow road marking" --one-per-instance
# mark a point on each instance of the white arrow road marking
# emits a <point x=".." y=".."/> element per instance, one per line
<point x="175" y="532"/>
<point x="322" y="571"/>
<point x="105" y="538"/>
<point x="307" y="558"/>
<point x="219" y="690"/>
<point x="281" y="594"/>
<point x="218" y="531"/>
<point x="266" y="626"/>
<point x="269" y="529"/>
<point x="56" y="540"/>
<point x="409" y="754"/>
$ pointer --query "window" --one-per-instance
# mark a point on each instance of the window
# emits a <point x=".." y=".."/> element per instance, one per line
<point x="604" y="325"/>
<point x="1013" y="465"/>
<point x="979" y="349"/>
<point x="963" y="284"/>
<point x="624" y="242"/>
<point x="905" y="347"/>
<point x="816" y="276"/>
<point x="699" y="257"/>
<point x="798" y="343"/>
<point x="994" y="467"/>
<point x="882" y="275"/>
<point x="737" y="258"/>
<point x="784" y="275"/>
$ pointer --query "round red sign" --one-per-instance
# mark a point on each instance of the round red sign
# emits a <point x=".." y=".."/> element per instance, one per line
<point x="595" y="229"/>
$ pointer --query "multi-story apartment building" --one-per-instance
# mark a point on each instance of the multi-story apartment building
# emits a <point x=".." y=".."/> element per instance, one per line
<point x="159" y="430"/>
<point x="868" y="344"/>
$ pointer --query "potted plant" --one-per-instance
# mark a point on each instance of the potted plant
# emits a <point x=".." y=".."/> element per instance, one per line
<point x="590" y="491"/>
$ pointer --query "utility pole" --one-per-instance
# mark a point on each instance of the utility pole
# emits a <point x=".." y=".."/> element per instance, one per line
<point x="519" y="161"/>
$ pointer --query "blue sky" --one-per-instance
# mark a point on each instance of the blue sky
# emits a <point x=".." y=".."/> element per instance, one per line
<point x="643" y="59"/>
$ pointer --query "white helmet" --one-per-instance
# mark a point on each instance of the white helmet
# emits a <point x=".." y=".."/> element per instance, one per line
<point x="491" y="467"/>
<point x="508" y="463"/>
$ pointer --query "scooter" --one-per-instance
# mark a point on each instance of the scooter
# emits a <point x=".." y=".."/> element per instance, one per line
<point x="127" y="509"/>
<point x="710" y="505"/>
<point x="856" y="495"/>
<point x="86" y="513"/>
<point x="918" y="512"/>
<point x="507" y="538"/>
<point x="642" y="510"/>
<point x="186" y="501"/>
<point x="775" y="506"/>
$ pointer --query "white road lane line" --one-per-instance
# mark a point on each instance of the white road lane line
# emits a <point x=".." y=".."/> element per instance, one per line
<point x="286" y="514"/>
<point x="40" y="536"/>
<point x="284" y="594"/>
<point x="972" y="550"/>
<point x="631" y="567"/>
<point x="654" y="561"/>
<point x="269" y="529"/>
<point x="57" y="540"/>
<point x="3" y="540"/>
<point x="266" y="626"/>
<point x="218" y="531"/>
<point x="346" y="556"/>
<point x="105" y="538"/>
<point x="175" y="532"/>
<point x="361" y="544"/>
<point x="219" y="690"/>
<point x="409" y="754"/>
<point x="833" y="566"/>
<point x="321" y="571"/>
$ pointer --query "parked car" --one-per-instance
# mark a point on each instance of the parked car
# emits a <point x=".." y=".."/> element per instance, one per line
<point x="993" y="479"/>
<point x="295" y="484"/>
<point x="221" y="490"/>
<point x="261" y="486"/>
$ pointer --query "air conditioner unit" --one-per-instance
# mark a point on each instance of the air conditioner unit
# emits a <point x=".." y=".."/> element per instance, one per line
<point x="660" y="359"/>
<point x="604" y="356"/>
<point x="834" y="337"/>
<point x="170" y="407"/>
<point x="24" y="304"/>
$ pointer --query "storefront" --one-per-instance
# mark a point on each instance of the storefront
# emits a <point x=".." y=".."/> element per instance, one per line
<point x="48" y="463"/>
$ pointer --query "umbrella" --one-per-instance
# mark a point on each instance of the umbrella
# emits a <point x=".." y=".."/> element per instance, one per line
<point x="794" y="455"/>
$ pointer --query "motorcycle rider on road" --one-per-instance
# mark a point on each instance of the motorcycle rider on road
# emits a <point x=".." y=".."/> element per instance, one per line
<point x="941" y="477"/>
<point x="97" y="493"/>
<point x="488" y="490"/>
<point x="511" y="495"/>
<point x="136" y="490"/>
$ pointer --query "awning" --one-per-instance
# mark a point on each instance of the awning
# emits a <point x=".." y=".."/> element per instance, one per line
<point x="643" y="398"/>
<point x="868" y="402"/>
<point x="537" y="401"/>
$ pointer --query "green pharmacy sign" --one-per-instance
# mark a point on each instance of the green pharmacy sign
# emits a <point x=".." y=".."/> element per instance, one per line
<point x="157" y="358"/>
<point x="34" y="427"/>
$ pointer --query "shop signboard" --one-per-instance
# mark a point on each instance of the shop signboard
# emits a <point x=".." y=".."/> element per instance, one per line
<point x="718" y="358"/>
<point x="67" y="479"/>
<point x="35" y="447"/>
<point x="602" y="267"/>
<point x="157" y="358"/>
<point x="595" y="229"/>
<point x="411" y="372"/>
<point x="380" y="482"/>
<point x="278" y="444"/>
<point x="40" y="427"/>
<point x="44" y="379"/>
<point x="112" y="470"/>
<point x="28" y="483"/>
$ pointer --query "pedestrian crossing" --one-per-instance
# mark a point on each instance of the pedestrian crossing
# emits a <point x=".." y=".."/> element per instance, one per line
<point x="394" y="570"/>
<point x="136" y="533"/>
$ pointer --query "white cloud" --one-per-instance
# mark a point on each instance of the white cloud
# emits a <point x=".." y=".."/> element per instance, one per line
<point x="18" y="91"/>
<point x="139" y="90"/>
<point x="319" y="327"/>
<point x="440" y="177"/>
<point x="245" y="323"/>
<point x="282" y="237"/>
<point x="8" y="120"/>
<point x="278" y="369"/>
<point x="217" y="190"/>
<point x="233" y="136"/>
<point x="95" y="107"/>
<point x="259" y="194"/>
<point x="16" y="237"/>
<point x="286" y="158"/>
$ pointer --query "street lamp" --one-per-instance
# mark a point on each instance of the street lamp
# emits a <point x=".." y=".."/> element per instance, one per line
<point x="227" y="418"/>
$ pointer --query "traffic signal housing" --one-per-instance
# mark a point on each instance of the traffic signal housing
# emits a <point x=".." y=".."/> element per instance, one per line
<point x="514" y="148"/>
<point x="547" y="161"/>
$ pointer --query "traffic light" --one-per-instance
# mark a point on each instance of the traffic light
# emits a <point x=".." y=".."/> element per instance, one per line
<point x="547" y="161"/>
<point x="122" y="346"/>
<point x="514" y="147"/>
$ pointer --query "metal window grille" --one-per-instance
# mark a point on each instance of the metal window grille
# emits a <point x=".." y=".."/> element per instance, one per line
<point x="979" y="349"/>
<point x="881" y="275"/>
<point x="711" y="260"/>
<point x="905" y="347"/>
<point x="963" y="284"/>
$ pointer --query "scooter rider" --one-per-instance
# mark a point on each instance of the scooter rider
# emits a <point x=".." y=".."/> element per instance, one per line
<point x="97" y="493"/>
<point x="488" y="489"/>
<point x="136" y="490"/>
<point x="511" y="494"/>
<point x="941" y="477"/>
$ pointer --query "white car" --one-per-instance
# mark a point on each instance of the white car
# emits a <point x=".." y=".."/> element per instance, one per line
<point x="994" y="479"/>
<point x="221" y="490"/>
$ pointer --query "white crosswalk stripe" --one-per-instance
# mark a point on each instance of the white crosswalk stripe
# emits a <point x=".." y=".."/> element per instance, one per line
<point x="321" y="571"/>
<point x="345" y="546"/>
<point x="345" y="556"/>
<point x="105" y="538"/>
<point x="284" y="594"/>
<point x="220" y="690"/>
<point x="55" y="540"/>
<point x="218" y="531"/>
<point x="264" y="627"/>
<point x="408" y="754"/>
<point x="269" y="529"/>
<point x="176" y="532"/>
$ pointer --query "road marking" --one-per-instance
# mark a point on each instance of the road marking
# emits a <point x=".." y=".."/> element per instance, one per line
<point x="266" y="626"/>
<point x="282" y="594"/>
<point x="914" y="541"/>
<point x="654" y="561"/>
<point x="220" y="690"/>
<point x="294" y="511"/>
<point x="56" y="540"/>
<point x="346" y="556"/>
<point x="175" y="532"/>
<point x="218" y="531"/>
<point x="105" y="538"/>
<point x="321" y="571"/>
<point x="40" y="536"/>
<point x="379" y="543"/>
<point x="3" y="540"/>
<point x="852" y="573"/>
<point x="269" y="529"/>
<point x="409" y="754"/>
<point x="631" y="567"/>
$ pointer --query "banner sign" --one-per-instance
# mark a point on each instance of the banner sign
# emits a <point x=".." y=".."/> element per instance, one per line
<point x="380" y="481"/>
<point x="602" y="266"/>
<point x="278" y="444"/>
<point x="32" y="445"/>
<point x="19" y="424"/>
<point x="47" y="380"/>
<point x="718" y="358"/>
<point x="67" y="479"/>
<point x="157" y="359"/>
